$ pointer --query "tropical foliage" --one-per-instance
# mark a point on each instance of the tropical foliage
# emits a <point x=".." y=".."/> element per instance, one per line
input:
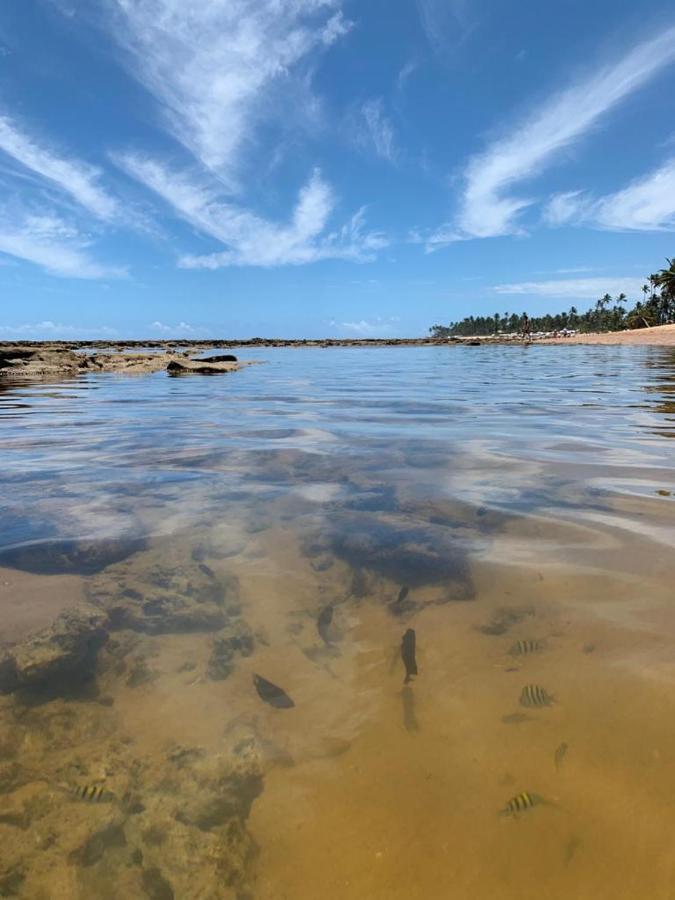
<point x="657" y="307"/>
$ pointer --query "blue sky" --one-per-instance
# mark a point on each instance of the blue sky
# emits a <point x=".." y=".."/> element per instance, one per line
<point x="301" y="168"/>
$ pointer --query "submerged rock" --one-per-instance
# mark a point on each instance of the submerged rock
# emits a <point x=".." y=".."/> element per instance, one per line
<point x="66" y="650"/>
<point x="404" y="551"/>
<point x="152" y="595"/>
<point x="238" y="640"/>
<point x="58" y="557"/>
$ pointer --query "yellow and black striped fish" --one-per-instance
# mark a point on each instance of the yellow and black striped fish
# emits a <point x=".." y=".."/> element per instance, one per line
<point x="520" y="803"/>
<point x="93" y="793"/>
<point x="533" y="695"/>
<point x="523" y="648"/>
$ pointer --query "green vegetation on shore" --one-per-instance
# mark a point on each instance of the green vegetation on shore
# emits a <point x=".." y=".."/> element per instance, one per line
<point x="608" y="314"/>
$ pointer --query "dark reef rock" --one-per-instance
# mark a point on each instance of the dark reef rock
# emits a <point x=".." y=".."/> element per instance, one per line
<point x="404" y="551"/>
<point x="238" y="640"/>
<point x="66" y="650"/>
<point x="59" y="557"/>
<point x="152" y="595"/>
<point x="223" y="357"/>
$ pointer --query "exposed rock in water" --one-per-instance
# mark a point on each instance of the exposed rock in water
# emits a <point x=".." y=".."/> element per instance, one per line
<point x="59" y="557"/>
<point x="22" y="360"/>
<point x="404" y="551"/>
<point x="200" y="367"/>
<point x="67" y="650"/>
<point x="223" y="357"/>
<point x="238" y="640"/>
<point x="152" y="595"/>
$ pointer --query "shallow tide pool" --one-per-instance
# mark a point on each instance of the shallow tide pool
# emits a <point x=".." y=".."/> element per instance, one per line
<point x="164" y="540"/>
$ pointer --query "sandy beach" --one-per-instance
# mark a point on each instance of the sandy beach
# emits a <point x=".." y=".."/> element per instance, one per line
<point x="660" y="335"/>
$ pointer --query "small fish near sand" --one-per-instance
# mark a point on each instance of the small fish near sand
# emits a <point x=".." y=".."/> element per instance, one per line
<point x="559" y="755"/>
<point x="403" y="604"/>
<point x="532" y="695"/>
<point x="521" y="803"/>
<point x="271" y="693"/>
<point x="408" y="655"/>
<point x="92" y="793"/>
<point x="525" y="648"/>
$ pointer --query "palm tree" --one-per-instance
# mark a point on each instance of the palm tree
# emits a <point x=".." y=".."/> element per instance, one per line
<point x="665" y="281"/>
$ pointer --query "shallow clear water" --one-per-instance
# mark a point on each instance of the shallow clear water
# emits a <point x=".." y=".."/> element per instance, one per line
<point x="518" y="494"/>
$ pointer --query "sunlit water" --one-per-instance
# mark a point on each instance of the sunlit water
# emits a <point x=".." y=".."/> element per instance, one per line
<point x="518" y="494"/>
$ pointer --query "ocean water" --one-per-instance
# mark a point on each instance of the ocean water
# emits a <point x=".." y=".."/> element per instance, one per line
<point x="513" y="506"/>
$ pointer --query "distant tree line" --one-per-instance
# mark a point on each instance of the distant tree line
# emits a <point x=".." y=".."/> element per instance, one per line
<point x="657" y="307"/>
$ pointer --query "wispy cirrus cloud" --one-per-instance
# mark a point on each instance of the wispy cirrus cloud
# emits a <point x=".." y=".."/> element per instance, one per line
<point x="249" y="239"/>
<point x="373" y="130"/>
<point x="574" y="288"/>
<point x="71" y="176"/>
<point x="488" y="208"/>
<point x="646" y="204"/>
<point x="51" y="242"/>
<point x="211" y="63"/>
<point x="445" y="22"/>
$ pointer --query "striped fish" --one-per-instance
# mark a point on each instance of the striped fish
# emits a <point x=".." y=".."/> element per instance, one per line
<point x="520" y="803"/>
<point x="523" y="648"/>
<point x="533" y="695"/>
<point x="92" y="793"/>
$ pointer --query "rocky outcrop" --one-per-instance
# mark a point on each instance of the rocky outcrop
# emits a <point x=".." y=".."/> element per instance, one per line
<point x="65" y="651"/>
<point x="42" y="362"/>
<point x="201" y="367"/>
<point x="56" y="360"/>
<point x="59" y="557"/>
<point x="156" y="596"/>
<point x="238" y="641"/>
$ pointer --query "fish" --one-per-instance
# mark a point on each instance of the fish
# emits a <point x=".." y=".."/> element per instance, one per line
<point x="520" y="803"/>
<point x="559" y="755"/>
<point x="408" y="655"/>
<point x="523" y="648"/>
<point x="533" y="695"/>
<point x="323" y="624"/>
<point x="272" y="694"/>
<point x="92" y="793"/>
<point x="402" y="604"/>
<point x="402" y="594"/>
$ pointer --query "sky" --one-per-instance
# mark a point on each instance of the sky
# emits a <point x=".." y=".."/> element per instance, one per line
<point x="311" y="168"/>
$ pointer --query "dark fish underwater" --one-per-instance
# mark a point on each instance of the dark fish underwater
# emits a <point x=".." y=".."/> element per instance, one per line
<point x="408" y="655"/>
<point x="271" y="693"/>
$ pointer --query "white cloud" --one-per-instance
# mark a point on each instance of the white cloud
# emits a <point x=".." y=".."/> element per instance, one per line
<point x="72" y="177"/>
<point x="374" y="131"/>
<point x="575" y="288"/>
<point x="647" y="204"/>
<point x="251" y="240"/>
<point x="50" y="242"/>
<point x="487" y="208"/>
<point x="211" y="63"/>
<point x="54" y="330"/>
<point x="182" y="327"/>
<point x="369" y="327"/>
